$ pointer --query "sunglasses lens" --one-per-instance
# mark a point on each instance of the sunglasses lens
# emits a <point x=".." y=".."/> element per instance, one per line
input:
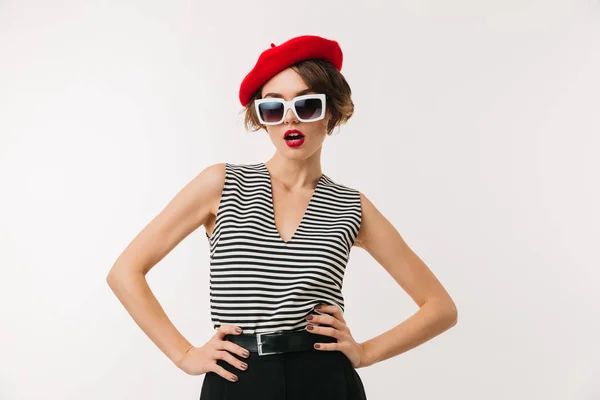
<point x="309" y="108"/>
<point x="271" y="111"/>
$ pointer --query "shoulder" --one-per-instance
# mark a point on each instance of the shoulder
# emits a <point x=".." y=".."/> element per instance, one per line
<point x="209" y="185"/>
<point x="366" y="203"/>
<point x="339" y="187"/>
<point x="371" y="220"/>
<point x="213" y="178"/>
<point x="228" y="167"/>
<point x="345" y="200"/>
<point x="217" y="173"/>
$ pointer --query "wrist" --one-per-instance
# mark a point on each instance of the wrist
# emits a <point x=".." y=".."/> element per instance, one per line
<point x="366" y="359"/>
<point x="180" y="356"/>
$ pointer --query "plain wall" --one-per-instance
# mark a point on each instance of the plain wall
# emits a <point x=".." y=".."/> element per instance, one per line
<point x="476" y="133"/>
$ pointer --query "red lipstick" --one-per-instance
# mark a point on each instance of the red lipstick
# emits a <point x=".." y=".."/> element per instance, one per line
<point x="293" y="138"/>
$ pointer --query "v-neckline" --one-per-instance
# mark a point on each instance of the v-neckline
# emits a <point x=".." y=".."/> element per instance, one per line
<point x="273" y="221"/>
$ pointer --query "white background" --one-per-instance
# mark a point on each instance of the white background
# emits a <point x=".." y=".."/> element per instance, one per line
<point x="476" y="133"/>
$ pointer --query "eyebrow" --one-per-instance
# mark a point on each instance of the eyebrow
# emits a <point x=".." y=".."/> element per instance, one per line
<point x="297" y="94"/>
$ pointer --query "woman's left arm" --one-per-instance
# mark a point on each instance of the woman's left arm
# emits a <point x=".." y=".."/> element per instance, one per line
<point x="437" y="312"/>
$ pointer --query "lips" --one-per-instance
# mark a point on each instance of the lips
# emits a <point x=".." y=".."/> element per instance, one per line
<point x="296" y="132"/>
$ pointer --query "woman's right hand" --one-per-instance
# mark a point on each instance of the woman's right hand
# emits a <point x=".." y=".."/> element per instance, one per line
<point x="199" y="360"/>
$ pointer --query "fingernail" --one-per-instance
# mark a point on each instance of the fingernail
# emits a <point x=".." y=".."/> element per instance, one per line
<point x="317" y="346"/>
<point x="238" y="330"/>
<point x="309" y="317"/>
<point x="244" y="365"/>
<point x="246" y="353"/>
<point x="310" y="327"/>
<point x="319" y="307"/>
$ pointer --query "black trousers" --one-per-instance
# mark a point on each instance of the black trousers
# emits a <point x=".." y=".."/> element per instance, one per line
<point x="297" y="375"/>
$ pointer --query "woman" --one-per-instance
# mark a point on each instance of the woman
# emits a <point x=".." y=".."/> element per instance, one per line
<point x="280" y="235"/>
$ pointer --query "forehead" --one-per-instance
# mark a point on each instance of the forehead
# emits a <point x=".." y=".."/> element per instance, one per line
<point x="286" y="84"/>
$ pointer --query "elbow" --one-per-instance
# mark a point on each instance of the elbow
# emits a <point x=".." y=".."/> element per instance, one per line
<point x="447" y="311"/>
<point x="120" y="281"/>
<point x="125" y="268"/>
<point x="451" y="314"/>
<point x="112" y="278"/>
<point x="454" y="317"/>
<point x="113" y="275"/>
<point x="116" y="275"/>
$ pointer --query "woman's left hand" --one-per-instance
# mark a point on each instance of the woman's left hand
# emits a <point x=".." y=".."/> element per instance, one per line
<point x="338" y="329"/>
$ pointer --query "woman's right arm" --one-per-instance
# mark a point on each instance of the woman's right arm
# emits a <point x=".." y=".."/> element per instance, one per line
<point x="189" y="209"/>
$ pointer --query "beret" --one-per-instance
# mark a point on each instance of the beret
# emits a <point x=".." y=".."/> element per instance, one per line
<point x="277" y="58"/>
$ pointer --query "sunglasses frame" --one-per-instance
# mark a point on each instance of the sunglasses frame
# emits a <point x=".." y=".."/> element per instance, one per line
<point x="290" y="104"/>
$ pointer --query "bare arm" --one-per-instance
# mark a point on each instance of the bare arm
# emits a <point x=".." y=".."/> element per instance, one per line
<point x="189" y="209"/>
<point x="437" y="312"/>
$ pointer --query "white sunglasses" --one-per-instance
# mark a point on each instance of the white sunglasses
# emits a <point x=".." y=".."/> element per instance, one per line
<point x="308" y="108"/>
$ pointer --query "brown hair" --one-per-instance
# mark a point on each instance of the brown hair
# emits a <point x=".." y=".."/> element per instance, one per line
<point x="322" y="77"/>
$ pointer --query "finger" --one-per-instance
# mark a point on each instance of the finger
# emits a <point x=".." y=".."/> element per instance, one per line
<point x="325" y="331"/>
<point x="334" y="310"/>
<point x="228" y="357"/>
<point x="217" y="369"/>
<point x="329" y="320"/>
<point x="327" y="346"/>
<point x="234" y="348"/>
<point x="227" y="329"/>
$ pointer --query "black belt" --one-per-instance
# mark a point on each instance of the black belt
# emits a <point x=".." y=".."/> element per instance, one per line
<point x="279" y="341"/>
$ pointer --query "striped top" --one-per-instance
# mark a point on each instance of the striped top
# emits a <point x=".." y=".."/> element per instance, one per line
<point x="262" y="283"/>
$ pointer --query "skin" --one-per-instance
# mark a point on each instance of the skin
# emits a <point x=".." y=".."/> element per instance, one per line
<point x="294" y="173"/>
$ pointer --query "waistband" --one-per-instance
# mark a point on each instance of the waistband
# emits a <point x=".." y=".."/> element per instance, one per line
<point x="279" y="341"/>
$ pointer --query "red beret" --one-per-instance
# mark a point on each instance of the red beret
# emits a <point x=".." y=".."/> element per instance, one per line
<point x="277" y="58"/>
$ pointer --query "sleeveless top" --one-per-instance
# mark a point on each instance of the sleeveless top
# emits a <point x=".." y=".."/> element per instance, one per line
<point x="262" y="283"/>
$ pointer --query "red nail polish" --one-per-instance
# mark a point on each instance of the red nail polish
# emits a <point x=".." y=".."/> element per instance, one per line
<point x="317" y="346"/>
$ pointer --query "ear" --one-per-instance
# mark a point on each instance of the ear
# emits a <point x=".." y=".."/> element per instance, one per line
<point x="328" y="114"/>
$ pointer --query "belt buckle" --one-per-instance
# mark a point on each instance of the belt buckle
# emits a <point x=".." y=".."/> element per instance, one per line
<point x="259" y="343"/>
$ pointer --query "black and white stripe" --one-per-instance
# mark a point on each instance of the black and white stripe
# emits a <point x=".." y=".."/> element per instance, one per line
<point x="262" y="283"/>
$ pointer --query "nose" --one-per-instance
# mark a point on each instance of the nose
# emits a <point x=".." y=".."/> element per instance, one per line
<point x="290" y="116"/>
